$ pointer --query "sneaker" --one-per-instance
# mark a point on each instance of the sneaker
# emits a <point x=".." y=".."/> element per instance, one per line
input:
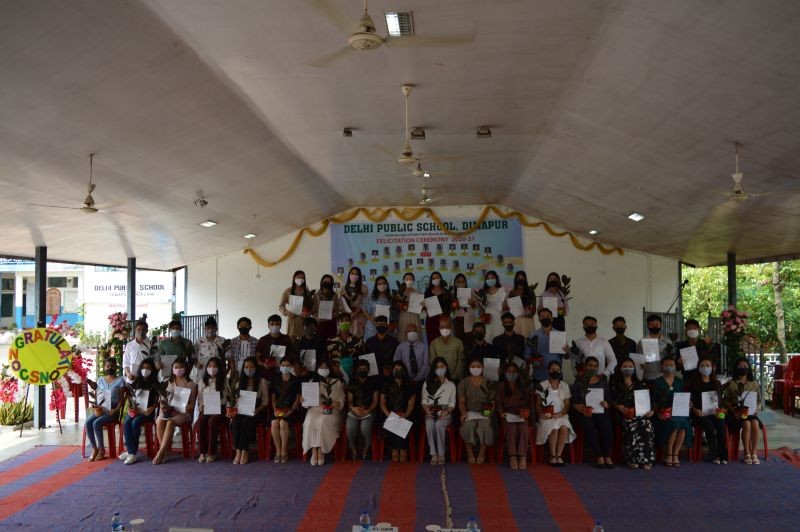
<point x="131" y="459"/>
<point x="123" y="456"/>
<point x="201" y="459"/>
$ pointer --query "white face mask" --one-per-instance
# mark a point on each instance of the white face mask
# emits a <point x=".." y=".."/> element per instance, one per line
<point x="212" y="370"/>
<point x="353" y="277"/>
<point x="441" y="372"/>
<point x="324" y="372"/>
<point x="409" y="283"/>
<point x="274" y="329"/>
<point x="412" y="336"/>
<point x="491" y="282"/>
<point x="299" y="281"/>
<point x="436" y="282"/>
<point x="693" y="333"/>
<point x="174" y="333"/>
<point x="286" y="369"/>
<point x="146" y="373"/>
<point x="444" y="332"/>
<point x="476" y="372"/>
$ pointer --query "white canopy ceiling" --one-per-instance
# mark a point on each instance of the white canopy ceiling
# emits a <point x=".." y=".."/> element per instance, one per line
<point x="597" y="109"/>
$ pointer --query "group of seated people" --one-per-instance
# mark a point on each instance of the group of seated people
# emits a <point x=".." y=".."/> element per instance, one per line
<point x="435" y="383"/>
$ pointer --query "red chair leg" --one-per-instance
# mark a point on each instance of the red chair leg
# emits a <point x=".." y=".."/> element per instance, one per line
<point x="298" y="440"/>
<point x="149" y="438"/>
<point x="452" y="434"/>
<point x="83" y="443"/>
<point x="500" y="444"/>
<point x="412" y="445"/>
<point x="422" y="446"/>
<point x="766" y="446"/>
<point x="111" y="428"/>
<point x="696" y="453"/>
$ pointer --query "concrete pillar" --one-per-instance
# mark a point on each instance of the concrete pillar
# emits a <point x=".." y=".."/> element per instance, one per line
<point x="40" y="309"/>
<point x="732" y="279"/>
<point x="131" y="288"/>
<point x="19" y="295"/>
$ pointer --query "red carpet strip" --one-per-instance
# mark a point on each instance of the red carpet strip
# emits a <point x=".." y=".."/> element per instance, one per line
<point x="35" y="464"/>
<point x="325" y="509"/>
<point x="398" y="499"/>
<point x="494" y="509"/>
<point x="565" y="506"/>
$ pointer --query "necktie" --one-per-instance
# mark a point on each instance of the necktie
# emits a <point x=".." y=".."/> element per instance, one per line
<point x="412" y="358"/>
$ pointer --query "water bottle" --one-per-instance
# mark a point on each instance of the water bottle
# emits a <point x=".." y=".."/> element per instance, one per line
<point x="472" y="524"/>
<point x="364" y="521"/>
<point x="598" y="527"/>
<point x="116" y="523"/>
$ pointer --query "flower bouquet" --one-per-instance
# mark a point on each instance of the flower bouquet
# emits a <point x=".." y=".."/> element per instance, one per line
<point x="734" y="325"/>
<point x="529" y="298"/>
<point x="588" y="411"/>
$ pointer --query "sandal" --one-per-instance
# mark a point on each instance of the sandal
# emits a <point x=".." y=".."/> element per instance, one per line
<point x="668" y="460"/>
<point x="513" y="463"/>
<point x="748" y="460"/>
<point x="560" y="462"/>
<point x="554" y="462"/>
<point x="675" y="461"/>
<point x="93" y="457"/>
<point x="471" y="460"/>
<point x="284" y="458"/>
<point x="755" y="460"/>
<point x="647" y="467"/>
<point x="633" y="466"/>
<point x="210" y="458"/>
<point x="395" y="455"/>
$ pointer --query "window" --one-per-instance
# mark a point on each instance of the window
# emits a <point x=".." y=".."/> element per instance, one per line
<point x="57" y="282"/>
<point x="8" y="284"/>
<point x="7" y="306"/>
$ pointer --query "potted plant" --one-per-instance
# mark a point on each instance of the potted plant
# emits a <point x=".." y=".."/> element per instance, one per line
<point x="741" y="410"/>
<point x="482" y="301"/>
<point x="544" y="397"/>
<point x="529" y="298"/>
<point x="487" y="407"/>
<point x="326" y="402"/>
<point x="308" y="302"/>
<point x="230" y="399"/>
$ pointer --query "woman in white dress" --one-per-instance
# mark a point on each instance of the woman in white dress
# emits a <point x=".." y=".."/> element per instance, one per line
<point x="495" y="298"/>
<point x="323" y="423"/>
<point x="554" y="427"/>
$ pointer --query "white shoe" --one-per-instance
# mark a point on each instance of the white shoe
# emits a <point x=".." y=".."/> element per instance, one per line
<point x="131" y="459"/>
<point x="123" y="456"/>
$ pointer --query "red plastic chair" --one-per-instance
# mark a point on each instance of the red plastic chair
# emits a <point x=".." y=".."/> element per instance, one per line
<point x="114" y="448"/>
<point x="452" y="444"/>
<point x="298" y="441"/>
<point x="734" y="438"/>
<point x="224" y="436"/>
<point x="779" y="385"/>
<point x="187" y="440"/>
<point x="148" y="427"/>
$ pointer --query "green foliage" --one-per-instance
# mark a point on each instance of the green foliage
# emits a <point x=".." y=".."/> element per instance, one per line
<point x="16" y="413"/>
<point x="707" y="295"/>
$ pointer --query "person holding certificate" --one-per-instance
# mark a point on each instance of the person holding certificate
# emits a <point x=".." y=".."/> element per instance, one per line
<point x="437" y="287"/>
<point x="295" y="304"/>
<point x="323" y="421"/>
<point x="671" y="430"/>
<point x="706" y="393"/>
<point x="537" y="347"/>
<point x="209" y="345"/>
<point x="345" y="345"/>
<point x="524" y="324"/>
<point x="438" y="402"/>
<point x="241" y="347"/>
<point x="107" y="390"/>
<point x="310" y="345"/>
<point x="354" y="293"/>
<point x="362" y="403"/>
<point x="176" y="409"/>
<point x="246" y="412"/>
<point x="661" y="347"/>
<point x="513" y="410"/>
<point x="398" y="397"/>
<point x="476" y="401"/>
<point x="325" y="307"/>
<point x="285" y="406"/>
<point x="741" y="397"/>
<point x="211" y="392"/>
<point x="493" y="300"/>
<point x="553" y="289"/>
<point x="552" y="409"/>
<point x="592" y="403"/>
<point x="637" y="430"/>
<point x="142" y="397"/>
<point x="464" y="315"/>
<point x="175" y="347"/>
<point x="135" y="352"/>
<point x="704" y="348"/>
<point x="379" y="301"/>
<point x="270" y="345"/>
<point x="406" y="318"/>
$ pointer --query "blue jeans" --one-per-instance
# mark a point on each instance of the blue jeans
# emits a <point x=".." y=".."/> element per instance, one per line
<point x="94" y="429"/>
<point x="132" y="427"/>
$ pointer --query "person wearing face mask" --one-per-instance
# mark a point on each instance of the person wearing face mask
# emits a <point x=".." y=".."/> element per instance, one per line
<point x="513" y="410"/>
<point x="294" y="322"/>
<point x="621" y="344"/>
<point x="310" y="341"/>
<point x="449" y="348"/>
<point x="175" y="347"/>
<point x="637" y="431"/>
<point x="596" y="425"/>
<point x="671" y="431"/>
<point x="346" y="345"/>
<point x="363" y="394"/>
<point x="107" y="389"/>
<point x="413" y="353"/>
<point x="285" y="390"/>
<point x="437" y="287"/>
<point x="495" y="299"/>
<point x="382" y="343"/>
<point x="706" y="348"/>
<point x="398" y="396"/>
<point x="438" y="402"/>
<point x="406" y="318"/>
<point x="479" y="347"/>
<point x="209" y="345"/>
<point x="524" y="324"/>
<point x="243" y="426"/>
<point x="705" y="381"/>
<point x="476" y="398"/>
<point x="165" y="426"/>
<point x="326" y="325"/>
<point x="241" y="347"/>
<point x="537" y="348"/>
<point x="213" y="382"/>
<point x="267" y="361"/>
<point x="552" y="288"/>
<point x="135" y="352"/>
<point x="652" y="371"/>
<point x="321" y="430"/>
<point x="380" y="296"/>
<point x="593" y="345"/>
<point x="463" y="317"/>
<point x="742" y="386"/>
<point x="142" y="396"/>
<point x="509" y="345"/>
<point x="355" y="294"/>
<point x="552" y="409"/>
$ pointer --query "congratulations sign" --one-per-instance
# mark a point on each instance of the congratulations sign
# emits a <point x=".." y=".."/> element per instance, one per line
<point x="40" y="356"/>
<point x="393" y="248"/>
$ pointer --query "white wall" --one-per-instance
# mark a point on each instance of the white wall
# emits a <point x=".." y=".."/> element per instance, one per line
<point x="602" y="285"/>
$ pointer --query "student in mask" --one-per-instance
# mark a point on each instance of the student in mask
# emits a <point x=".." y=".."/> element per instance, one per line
<point x="552" y="408"/>
<point x="175" y="347"/>
<point x="406" y="318"/>
<point x="269" y="346"/>
<point x="705" y="347"/>
<point x="135" y="352"/>
<point x="553" y="288"/>
<point x="209" y="345"/>
<point x="363" y="394"/>
<point x="326" y="324"/>
<point x="463" y="317"/>
<point x="449" y="348"/>
<point x="213" y="382"/>
<point x="596" y="425"/>
<point x="171" y="417"/>
<point x="509" y="345"/>
<point x="310" y="344"/>
<point x="621" y="344"/>
<point x="523" y="325"/>
<point x="495" y="299"/>
<point x="438" y="288"/>
<point x="665" y="348"/>
<point x="285" y="390"/>
<point x="398" y="397"/>
<point x="742" y="387"/>
<point x="244" y="425"/>
<point x="593" y="345"/>
<point x="381" y="295"/>
<point x="241" y="347"/>
<point x="637" y="431"/>
<point x="294" y="322"/>
<point x="438" y="402"/>
<point x="107" y="389"/>
<point x="537" y="351"/>
<point x="355" y="293"/>
<point x="706" y="382"/>
<point x="322" y="424"/>
<point x="345" y="345"/>
<point x="513" y="411"/>
<point x="413" y="353"/>
<point x="144" y="389"/>
<point x="476" y="397"/>
<point x="382" y="344"/>
<point x="671" y="431"/>
<point x="479" y="347"/>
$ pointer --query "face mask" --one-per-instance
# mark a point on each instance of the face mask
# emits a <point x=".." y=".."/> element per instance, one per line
<point x="174" y="333"/>
<point x="742" y="371"/>
<point x="212" y="371"/>
<point x="398" y="373"/>
<point x="382" y="288"/>
<point x="309" y="331"/>
<point x="546" y="322"/>
<point x="146" y="373"/>
<point x="441" y="372"/>
<point x="412" y="336"/>
<point x="299" y="281"/>
<point x="591" y="373"/>
<point x="509" y="327"/>
<point x="324" y="372"/>
<point x="353" y="277"/>
<point x="141" y="335"/>
<point x="491" y="282"/>
<point x="552" y="284"/>
<point x="619" y="330"/>
<point x="511" y="377"/>
<point x="654" y="330"/>
<point x="285" y="370"/>
<point x="476" y="372"/>
<point x="693" y="334"/>
<point x="444" y="332"/>
<point x="381" y="329"/>
<point x="460" y="285"/>
<point x="705" y="371"/>
<point x="436" y="282"/>
<point x="590" y="329"/>
<point x="409" y="283"/>
<point x="669" y="370"/>
<point x="211" y="333"/>
<point x="327" y="286"/>
<point x="111" y="371"/>
<point x="555" y="375"/>
<point x="344" y="326"/>
<point x="274" y="329"/>
<point x="244" y="330"/>
<point x="249" y="372"/>
<point x="627" y="371"/>
<point x="178" y="372"/>
<point x="479" y="336"/>
<point x="520" y="282"/>
<point x="362" y="373"/>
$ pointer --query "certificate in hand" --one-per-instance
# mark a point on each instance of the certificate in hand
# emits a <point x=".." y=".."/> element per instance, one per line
<point x="558" y="339"/>
<point x="180" y="399"/>
<point x="277" y="351"/>
<point x="463" y="295"/>
<point x="491" y="369"/>
<point x="325" y="310"/>
<point x="415" y="300"/>
<point x="641" y="399"/>
<point x="750" y="401"/>
<point x="141" y="399"/>
<point x="166" y="365"/>
<point x="247" y="403"/>
<point x="295" y="305"/>
<point x="310" y="393"/>
<point x="710" y="402"/>
<point x="593" y="399"/>
<point x="638" y="362"/>
<point x="689" y="357"/>
<point x="373" y="364"/>
<point x="432" y="306"/>
<point x="551" y="303"/>
<point x="650" y="347"/>
<point x="211" y="403"/>
<point x="515" y="306"/>
<point x="680" y="404"/>
<point x="345" y="306"/>
<point x="309" y="359"/>
<point x="382" y="310"/>
<point x="397" y="425"/>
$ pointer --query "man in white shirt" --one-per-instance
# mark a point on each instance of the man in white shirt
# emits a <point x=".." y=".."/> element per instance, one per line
<point x="135" y="351"/>
<point x="593" y="345"/>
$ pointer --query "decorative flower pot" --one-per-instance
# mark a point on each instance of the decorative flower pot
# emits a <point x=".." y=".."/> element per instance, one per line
<point x="281" y="412"/>
<point x="630" y="413"/>
<point x="525" y="413"/>
<point x="743" y="412"/>
<point x="549" y="409"/>
<point x="327" y="410"/>
<point x="721" y="413"/>
<point x="167" y="412"/>
<point x="231" y="411"/>
<point x="131" y="413"/>
<point x="665" y="413"/>
<point x="588" y="410"/>
<point x="98" y="411"/>
<point x="487" y="409"/>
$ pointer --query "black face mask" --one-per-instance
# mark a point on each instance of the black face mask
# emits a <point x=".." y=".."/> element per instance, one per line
<point x="590" y="329"/>
<point x="478" y="336"/>
<point x="398" y="374"/>
<point x="327" y="286"/>
<point x="520" y="282"/>
<point x="309" y="331"/>
<point x="546" y="322"/>
<point x="509" y="327"/>
<point x="742" y="371"/>
<point x="619" y="330"/>
<point x="381" y="328"/>
<point x="552" y="284"/>
<point x="362" y="373"/>
<point x="555" y="375"/>
<point x="244" y="330"/>
<point x="654" y="330"/>
<point x="113" y="371"/>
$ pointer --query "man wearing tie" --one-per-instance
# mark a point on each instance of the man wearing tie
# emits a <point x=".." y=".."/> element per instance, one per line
<point x="414" y="354"/>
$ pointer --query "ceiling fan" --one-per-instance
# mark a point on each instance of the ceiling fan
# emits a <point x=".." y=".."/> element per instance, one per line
<point x="426" y="198"/>
<point x="88" y="203"/>
<point x="366" y="36"/>
<point x="738" y="193"/>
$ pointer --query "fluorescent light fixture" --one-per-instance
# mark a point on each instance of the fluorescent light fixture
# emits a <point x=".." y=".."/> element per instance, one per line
<point x="426" y="174"/>
<point x="484" y="132"/>
<point x="593" y="232"/>
<point x="399" y="24"/>
<point x="249" y="235"/>
<point x="636" y="217"/>
<point x="208" y="223"/>
<point x="393" y="24"/>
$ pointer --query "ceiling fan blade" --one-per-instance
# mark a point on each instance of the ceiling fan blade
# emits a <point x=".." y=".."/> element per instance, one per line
<point x="432" y="42"/>
<point x="326" y="60"/>
<point x="54" y="206"/>
<point x="387" y="151"/>
<point x="333" y="14"/>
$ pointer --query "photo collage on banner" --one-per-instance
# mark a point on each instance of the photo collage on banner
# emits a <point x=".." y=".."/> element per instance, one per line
<point x="392" y="248"/>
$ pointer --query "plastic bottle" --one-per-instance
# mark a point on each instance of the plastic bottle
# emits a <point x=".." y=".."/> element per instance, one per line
<point x="364" y="521"/>
<point x="116" y="522"/>
<point x="598" y="527"/>
<point x="472" y="524"/>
